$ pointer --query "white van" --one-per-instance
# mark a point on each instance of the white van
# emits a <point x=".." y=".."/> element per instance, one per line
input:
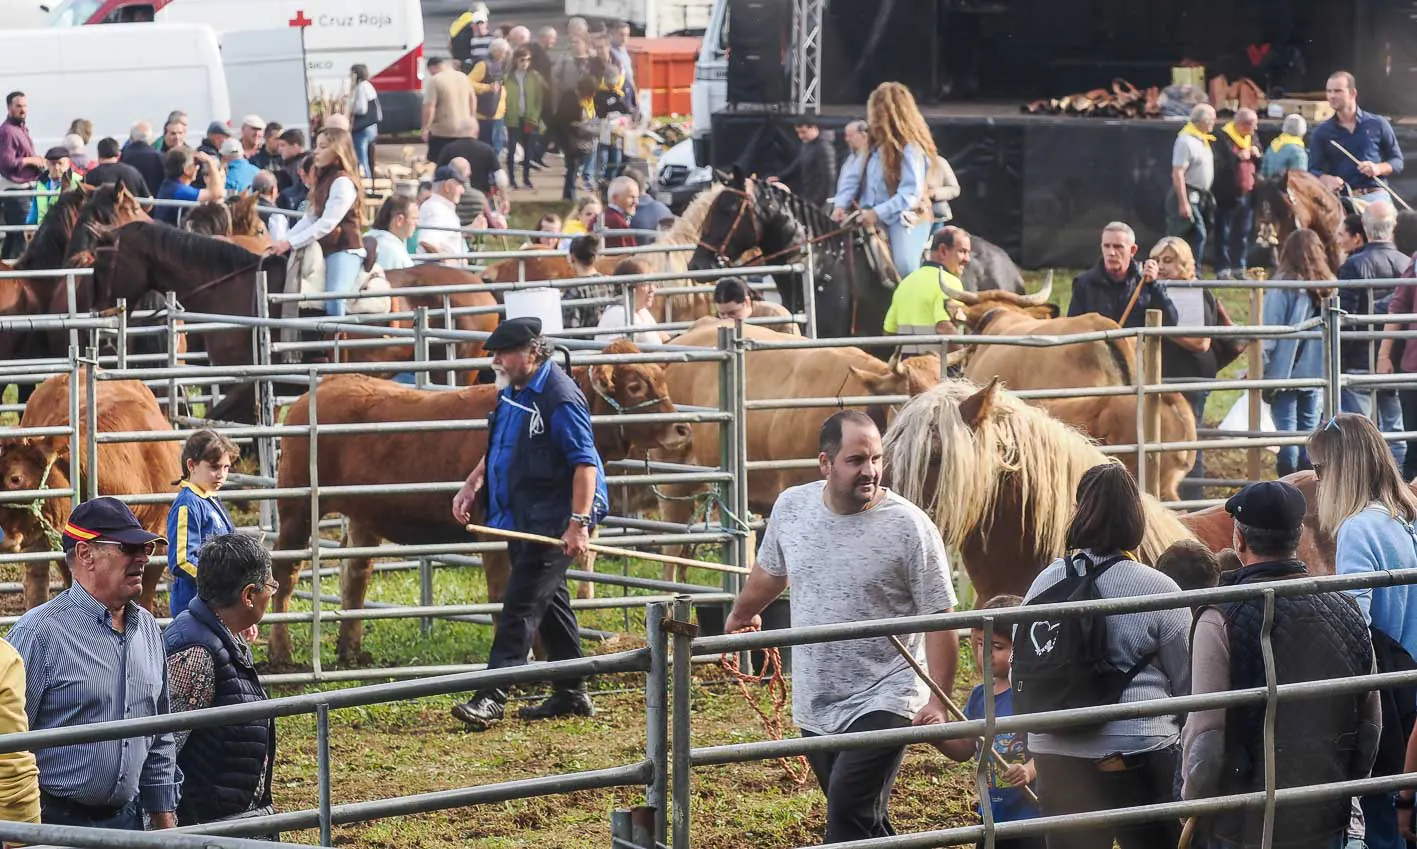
<point x="115" y="76"/>
<point x="20" y="14"/>
<point x="683" y="171"/>
<point x="384" y="35"/>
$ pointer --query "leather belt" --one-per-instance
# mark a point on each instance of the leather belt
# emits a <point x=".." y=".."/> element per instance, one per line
<point x="79" y="809"/>
<point x="1365" y="191"/>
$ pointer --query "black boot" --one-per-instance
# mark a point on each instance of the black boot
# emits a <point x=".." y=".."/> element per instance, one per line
<point x="484" y="710"/>
<point x="561" y="703"/>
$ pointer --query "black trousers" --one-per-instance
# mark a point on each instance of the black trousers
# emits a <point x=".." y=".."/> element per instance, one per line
<point x="858" y="783"/>
<point x="436" y="145"/>
<point x="1076" y="785"/>
<point x="536" y="602"/>
<point x="1408" y="399"/>
<point x="574" y="163"/>
<point x="529" y="145"/>
<point x="14" y="211"/>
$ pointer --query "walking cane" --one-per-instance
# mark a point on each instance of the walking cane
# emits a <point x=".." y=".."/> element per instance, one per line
<point x="954" y="710"/>
<point x="610" y="550"/>
<point x="1187" y="832"/>
<point x="1382" y="184"/>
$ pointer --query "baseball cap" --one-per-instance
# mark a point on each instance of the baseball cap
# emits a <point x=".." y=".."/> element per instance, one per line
<point x="1268" y="505"/>
<point x="54" y="154"/>
<point x="446" y="173"/>
<point x="105" y="519"/>
<point x="479" y="16"/>
<point x="254" y="122"/>
<point x="231" y="146"/>
<point x="217" y="128"/>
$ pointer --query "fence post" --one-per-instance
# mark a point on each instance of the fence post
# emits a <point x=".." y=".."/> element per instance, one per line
<point x="1333" y="359"/>
<point x="315" y="512"/>
<point x="425" y="593"/>
<point x="171" y="309"/>
<point x="69" y="287"/>
<point x="420" y="346"/>
<point x="91" y="421"/>
<point x="75" y="456"/>
<point x="450" y="346"/>
<point x="683" y="681"/>
<point x="983" y="765"/>
<point x="1271" y="708"/>
<point x="322" y="759"/>
<point x="809" y="291"/>
<point x="266" y="400"/>
<point x="727" y="436"/>
<point x="657" y="718"/>
<point x="1151" y="424"/>
<point x="1254" y="369"/>
<point x="738" y="487"/>
<point x="120" y="345"/>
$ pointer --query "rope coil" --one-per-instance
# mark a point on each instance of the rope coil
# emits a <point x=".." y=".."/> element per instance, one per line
<point x="797" y="768"/>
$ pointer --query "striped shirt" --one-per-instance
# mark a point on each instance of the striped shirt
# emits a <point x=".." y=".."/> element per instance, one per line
<point x="79" y="670"/>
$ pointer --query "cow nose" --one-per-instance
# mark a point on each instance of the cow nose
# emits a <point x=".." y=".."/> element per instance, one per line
<point x="14" y="482"/>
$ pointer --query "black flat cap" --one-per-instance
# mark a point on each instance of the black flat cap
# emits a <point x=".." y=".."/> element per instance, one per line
<point x="1269" y="505"/>
<point x="513" y="333"/>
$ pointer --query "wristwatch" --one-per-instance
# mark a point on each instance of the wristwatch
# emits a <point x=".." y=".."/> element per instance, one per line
<point x="582" y="519"/>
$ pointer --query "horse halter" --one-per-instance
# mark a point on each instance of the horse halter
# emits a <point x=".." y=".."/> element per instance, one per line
<point x="746" y="206"/>
<point x="621" y="409"/>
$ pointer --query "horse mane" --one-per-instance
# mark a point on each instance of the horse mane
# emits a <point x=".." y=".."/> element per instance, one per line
<point x="50" y="243"/>
<point x="190" y="248"/>
<point x="101" y="210"/>
<point x="688" y="226"/>
<point x="245" y="220"/>
<point x="1018" y="445"/>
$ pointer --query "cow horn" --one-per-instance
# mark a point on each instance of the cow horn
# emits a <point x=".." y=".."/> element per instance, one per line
<point x="895" y="364"/>
<point x="955" y="357"/>
<point x="969" y="298"/>
<point x="1039" y="298"/>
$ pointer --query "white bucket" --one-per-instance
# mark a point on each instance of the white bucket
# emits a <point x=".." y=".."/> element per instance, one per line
<point x="543" y="303"/>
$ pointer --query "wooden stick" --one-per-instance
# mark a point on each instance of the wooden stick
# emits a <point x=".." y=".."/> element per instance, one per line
<point x="1376" y="179"/>
<point x="610" y="549"/>
<point x="1187" y="832"/>
<point x="954" y="710"/>
<point x="1136" y="293"/>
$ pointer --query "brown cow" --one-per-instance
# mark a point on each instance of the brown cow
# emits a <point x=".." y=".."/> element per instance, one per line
<point x="1111" y="420"/>
<point x="397" y="457"/>
<point x="126" y="468"/>
<point x="789" y="434"/>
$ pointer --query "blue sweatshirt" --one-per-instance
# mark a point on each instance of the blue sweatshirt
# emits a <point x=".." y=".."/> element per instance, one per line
<point x="1373" y="540"/>
<point x="196" y="517"/>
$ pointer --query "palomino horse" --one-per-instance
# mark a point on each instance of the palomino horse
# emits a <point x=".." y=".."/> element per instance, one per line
<point x="854" y="283"/>
<point x="998" y="476"/>
<point x="208" y="275"/>
<point x="1295" y="200"/>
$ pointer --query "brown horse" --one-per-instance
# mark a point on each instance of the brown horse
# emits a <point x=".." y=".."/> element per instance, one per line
<point x="998" y="476"/>
<point x="1295" y="200"/>
<point x="208" y="276"/>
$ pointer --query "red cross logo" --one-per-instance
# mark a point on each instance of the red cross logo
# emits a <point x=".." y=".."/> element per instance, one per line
<point x="300" y="20"/>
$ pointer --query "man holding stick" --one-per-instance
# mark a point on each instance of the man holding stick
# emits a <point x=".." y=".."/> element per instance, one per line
<point x="543" y="476"/>
<point x="853" y="551"/>
<point x="1368" y="141"/>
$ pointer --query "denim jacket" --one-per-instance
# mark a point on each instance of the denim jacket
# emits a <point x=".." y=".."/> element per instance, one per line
<point x="1287" y="357"/>
<point x="888" y="207"/>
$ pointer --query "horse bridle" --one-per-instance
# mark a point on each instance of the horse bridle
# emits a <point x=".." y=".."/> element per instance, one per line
<point x="746" y="206"/>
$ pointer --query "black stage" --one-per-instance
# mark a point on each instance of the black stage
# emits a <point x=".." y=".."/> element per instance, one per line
<point x="1040" y="187"/>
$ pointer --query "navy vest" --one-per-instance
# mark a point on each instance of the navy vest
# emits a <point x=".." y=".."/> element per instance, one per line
<point x="539" y="478"/>
<point x="1315" y="637"/>
<point x="222" y="767"/>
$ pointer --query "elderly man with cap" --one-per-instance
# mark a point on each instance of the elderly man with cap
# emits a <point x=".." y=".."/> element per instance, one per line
<point x="542" y="475"/>
<point x="1315" y="637"/>
<point x="57" y="177"/>
<point x="239" y="170"/>
<point x="217" y="132"/>
<point x="438" y="225"/>
<point x="253" y="135"/>
<point x="93" y="655"/>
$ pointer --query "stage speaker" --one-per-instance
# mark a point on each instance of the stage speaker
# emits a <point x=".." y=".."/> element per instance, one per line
<point x="759" y="49"/>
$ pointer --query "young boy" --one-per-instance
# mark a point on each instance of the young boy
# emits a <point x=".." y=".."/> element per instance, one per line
<point x="1190" y="564"/>
<point x="1007" y="798"/>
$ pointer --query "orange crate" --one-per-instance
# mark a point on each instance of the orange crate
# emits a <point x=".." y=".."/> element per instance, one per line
<point x="665" y="67"/>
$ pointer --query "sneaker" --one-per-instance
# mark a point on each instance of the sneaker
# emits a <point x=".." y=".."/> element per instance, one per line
<point x="537" y="165"/>
<point x="527" y="183"/>
<point x="483" y="711"/>
<point x="1224" y="274"/>
<point x="561" y="703"/>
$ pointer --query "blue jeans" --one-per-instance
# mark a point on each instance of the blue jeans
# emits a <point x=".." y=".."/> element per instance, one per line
<point x="1294" y="410"/>
<point x="494" y="132"/>
<point x="1232" y="233"/>
<point x="184" y="589"/>
<point x="341" y="275"/>
<point x="362" y="140"/>
<point x="1380" y="822"/>
<point x="1191" y="491"/>
<point x="907" y="245"/>
<point x="55" y="812"/>
<point x="1389" y="415"/>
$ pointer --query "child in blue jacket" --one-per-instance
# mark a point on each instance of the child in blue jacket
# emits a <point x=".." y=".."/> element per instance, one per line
<point x="196" y="514"/>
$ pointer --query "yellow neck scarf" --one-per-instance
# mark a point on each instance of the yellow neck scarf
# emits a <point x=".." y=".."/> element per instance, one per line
<point x="1242" y="142"/>
<point x="1284" y="139"/>
<point x="1192" y="130"/>
<point x="588" y="108"/>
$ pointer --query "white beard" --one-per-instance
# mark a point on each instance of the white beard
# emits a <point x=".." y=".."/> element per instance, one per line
<point x="503" y="381"/>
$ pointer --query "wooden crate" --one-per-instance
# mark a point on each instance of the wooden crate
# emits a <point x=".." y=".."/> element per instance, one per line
<point x="1313" y="111"/>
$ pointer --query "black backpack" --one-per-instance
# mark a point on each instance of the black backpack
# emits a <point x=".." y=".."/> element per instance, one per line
<point x="1061" y="664"/>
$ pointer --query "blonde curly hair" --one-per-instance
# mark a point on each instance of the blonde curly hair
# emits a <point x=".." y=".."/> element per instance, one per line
<point x="895" y="121"/>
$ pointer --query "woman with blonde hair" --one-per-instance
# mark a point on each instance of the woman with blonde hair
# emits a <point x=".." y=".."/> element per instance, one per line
<point x="892" y="189"/>
<point x="334" y="218"/>
<point x="1369" y="511"/>
<point x="1301" y="257"/>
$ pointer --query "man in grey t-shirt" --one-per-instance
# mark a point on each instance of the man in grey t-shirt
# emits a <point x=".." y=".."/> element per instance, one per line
<point x="851" y="551"/>
<point x="1190" y="206"/>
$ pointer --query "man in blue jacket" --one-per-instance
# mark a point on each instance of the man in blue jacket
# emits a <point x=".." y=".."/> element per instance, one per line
<point x="542" y="475"/>
<point x="1367" y="137"/>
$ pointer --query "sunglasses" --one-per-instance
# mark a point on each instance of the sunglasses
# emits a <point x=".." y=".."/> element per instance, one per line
<point x="132" y="549"/>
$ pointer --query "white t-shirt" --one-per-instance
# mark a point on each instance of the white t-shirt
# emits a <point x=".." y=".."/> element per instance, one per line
<point x="614" y="317"/>
<point x="438" y="211"/>
<point x="393" y="253"/>
<point x="885" y="562"/>
<point x="342" y="198"/>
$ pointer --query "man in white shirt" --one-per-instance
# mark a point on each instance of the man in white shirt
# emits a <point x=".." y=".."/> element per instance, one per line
<point x="852" y="551"/>
<point x="439" y="231"/>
